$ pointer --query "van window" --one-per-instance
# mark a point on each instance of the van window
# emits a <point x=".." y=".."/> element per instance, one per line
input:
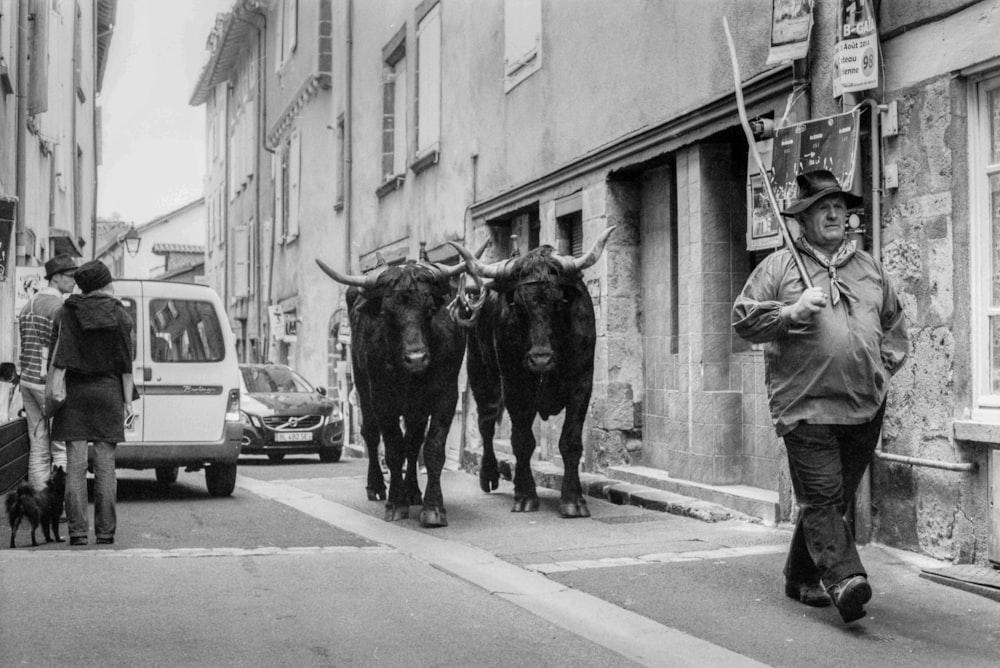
<point x="182" y="330"/>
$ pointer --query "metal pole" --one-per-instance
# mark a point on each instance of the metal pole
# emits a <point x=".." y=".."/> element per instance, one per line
<point x="964" y="467"/>
<point x="745" y="122"/>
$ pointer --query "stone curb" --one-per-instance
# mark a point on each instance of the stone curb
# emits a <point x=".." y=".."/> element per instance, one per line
<point x="615" y="491"/>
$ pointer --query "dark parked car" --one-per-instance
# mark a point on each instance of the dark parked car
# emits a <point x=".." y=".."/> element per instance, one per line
<point x="283" y="414"/>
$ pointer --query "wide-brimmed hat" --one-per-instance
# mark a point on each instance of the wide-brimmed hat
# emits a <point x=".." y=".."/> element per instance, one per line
<point x="60" y="264"/>
<point x="92" y="275"/>
<point x="814" y="186"/>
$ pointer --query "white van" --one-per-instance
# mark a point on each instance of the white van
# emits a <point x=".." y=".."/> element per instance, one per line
<point x="187" y="375"/>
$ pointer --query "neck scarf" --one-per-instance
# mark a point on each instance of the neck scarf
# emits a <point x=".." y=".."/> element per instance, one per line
<point x="841" y="257"/>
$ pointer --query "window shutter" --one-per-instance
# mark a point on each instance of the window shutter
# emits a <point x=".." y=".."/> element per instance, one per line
<point x="277" y="163"/>
<point x="429" y="80"/>
<point x="294" y="165"/>
<point x="38" y="66"/>
<point x="241" y="260"/>
<point x="290" y="27"/>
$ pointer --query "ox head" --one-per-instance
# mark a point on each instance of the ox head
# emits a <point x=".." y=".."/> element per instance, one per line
<point x="404" y="298"/>
<point x="539" y="289"/>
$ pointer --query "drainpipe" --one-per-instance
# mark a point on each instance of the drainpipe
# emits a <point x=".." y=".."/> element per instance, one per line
<point x="348" y="129"/>
<point x="22" y="120"/>
<point x="346" y="409"/>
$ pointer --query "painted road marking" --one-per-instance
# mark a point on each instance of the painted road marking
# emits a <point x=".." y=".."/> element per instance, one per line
<point x="631" y="635"/>
<point x="662" y="558"/>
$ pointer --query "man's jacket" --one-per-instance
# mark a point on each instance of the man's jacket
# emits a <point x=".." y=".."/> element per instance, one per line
<point x="834" y="369"/>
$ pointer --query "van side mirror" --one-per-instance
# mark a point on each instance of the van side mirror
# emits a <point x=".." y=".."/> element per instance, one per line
<point x="8" y="372"/>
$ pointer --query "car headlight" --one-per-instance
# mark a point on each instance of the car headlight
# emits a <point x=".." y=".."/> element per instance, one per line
<point x="251" y="420"/>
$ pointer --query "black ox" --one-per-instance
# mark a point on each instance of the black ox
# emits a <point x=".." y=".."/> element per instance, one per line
<point x="406" y="357"/>
<point x="532" y="351"/>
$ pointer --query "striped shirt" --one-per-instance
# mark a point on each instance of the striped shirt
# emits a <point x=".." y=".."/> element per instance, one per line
<point x="38" y="326"/>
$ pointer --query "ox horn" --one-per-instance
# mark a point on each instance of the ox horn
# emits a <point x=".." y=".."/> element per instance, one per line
<point x="357" y="281"/>
<point x="572" y="265"/>
<point x="460" y="267"/>
<point x="495" y="270"/>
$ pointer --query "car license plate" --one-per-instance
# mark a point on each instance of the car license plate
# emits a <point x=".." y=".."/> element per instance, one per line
<point x="286" y="436"/>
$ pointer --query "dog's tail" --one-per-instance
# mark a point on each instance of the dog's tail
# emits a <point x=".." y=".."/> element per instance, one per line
<point x="24" y="489"/>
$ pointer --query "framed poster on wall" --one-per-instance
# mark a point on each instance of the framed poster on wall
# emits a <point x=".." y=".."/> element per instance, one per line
<point x="762" y="226"/>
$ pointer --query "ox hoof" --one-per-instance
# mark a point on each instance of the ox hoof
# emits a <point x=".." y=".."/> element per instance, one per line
<point x="489" y="480"/>
<point x="525" y="505"/>
<point x="433" y="517"/>
<point x="376" y="494"/>
<point x="394" y="513"/>
<point x="576" y="508"/>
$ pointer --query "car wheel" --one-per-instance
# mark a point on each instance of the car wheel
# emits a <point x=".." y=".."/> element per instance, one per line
<point x="220" y="479"/>
<point x="166" y="475"/>
<point x="330" y="455"/>
<point x="276" y="457"/>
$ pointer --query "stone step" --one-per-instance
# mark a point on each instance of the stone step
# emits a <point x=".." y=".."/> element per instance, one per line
<point x="550" y="475"/>
<point x="753" y="501"/>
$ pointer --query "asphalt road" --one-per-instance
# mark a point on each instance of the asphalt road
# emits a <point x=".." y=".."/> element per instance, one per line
<point x="298" y="569"/>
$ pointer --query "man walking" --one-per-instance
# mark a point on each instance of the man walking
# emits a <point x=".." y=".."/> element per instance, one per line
<point x="830" y="352"/>
<point x="38" y="326"/>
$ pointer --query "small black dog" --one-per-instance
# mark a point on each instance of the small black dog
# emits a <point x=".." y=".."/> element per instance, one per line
<point x="42" y="507"/>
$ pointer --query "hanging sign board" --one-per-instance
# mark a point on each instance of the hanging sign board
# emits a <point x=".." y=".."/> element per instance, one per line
<point x="829" y="143"/>
<point x="28" y="281"/>
<point x="791" y="23"/>
<point x="855" y="64"/>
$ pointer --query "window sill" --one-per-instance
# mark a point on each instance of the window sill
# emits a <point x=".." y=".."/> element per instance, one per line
<point x="391" y="184"/>
<point x="426" y="161"/>
<point x="975" y="431"/>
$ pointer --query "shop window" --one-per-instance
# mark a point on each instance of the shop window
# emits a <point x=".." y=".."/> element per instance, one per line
<point x="984" y="149"/>
<point x="569" y="225"/>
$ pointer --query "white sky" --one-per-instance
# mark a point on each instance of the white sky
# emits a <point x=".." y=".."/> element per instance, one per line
<point x="154" y="141"/>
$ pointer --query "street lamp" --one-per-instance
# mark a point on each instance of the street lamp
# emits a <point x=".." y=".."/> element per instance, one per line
<point x="131" y="239"/>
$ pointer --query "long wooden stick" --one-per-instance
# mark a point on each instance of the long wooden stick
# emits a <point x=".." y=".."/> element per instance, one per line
<point x="745" y="122"/>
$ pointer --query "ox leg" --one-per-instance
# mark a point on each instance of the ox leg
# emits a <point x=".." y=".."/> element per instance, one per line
<point x="522" y="441"/>
<point x="489" y="406"/>
<point x="413" y="439"/>
<point x="573" y="502"/>
<point x="433" y="513"/>
<point x="376" y="481"/>
<point x="397" y="507"/>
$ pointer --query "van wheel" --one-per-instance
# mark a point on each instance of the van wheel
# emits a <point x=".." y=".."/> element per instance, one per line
<point x="166" y="475"/>
<point x="330" y="455"/>
<point x="220" y="479"/>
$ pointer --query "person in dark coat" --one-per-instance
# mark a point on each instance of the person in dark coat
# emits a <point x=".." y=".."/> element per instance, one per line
<point x="96" y="349"/>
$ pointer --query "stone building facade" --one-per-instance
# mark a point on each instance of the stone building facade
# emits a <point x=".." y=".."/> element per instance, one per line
<point x="538" y="121"/>
<point x="52" y="59"/>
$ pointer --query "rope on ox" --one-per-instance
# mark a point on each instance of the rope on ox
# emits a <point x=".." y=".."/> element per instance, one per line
<point x="463" y="310"/>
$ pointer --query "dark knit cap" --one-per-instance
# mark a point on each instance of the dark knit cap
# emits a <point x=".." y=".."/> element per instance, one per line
<point x="92" y="275"/>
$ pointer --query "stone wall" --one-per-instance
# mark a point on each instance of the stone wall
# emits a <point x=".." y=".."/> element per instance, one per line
<point x="925" y="250"/>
